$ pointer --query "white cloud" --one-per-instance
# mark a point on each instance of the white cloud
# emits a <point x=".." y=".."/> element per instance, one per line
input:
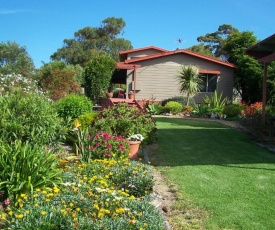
<point x="10" y="11"/>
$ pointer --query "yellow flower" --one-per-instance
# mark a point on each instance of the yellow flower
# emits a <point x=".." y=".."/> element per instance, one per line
<point x="76" y="123"/>
<point x="132" y="222"/>
<point x="35" y="195"/>
<point x="20" y="216"/>
<point x="140" y="214"/>
<point x="63" y="211"/>
<point x="10" y="213"/>
<point x="3" y="216"/>
<point x="78" y="209"/>
<point x="27" y="212"/>
<point x="145" y="225"/>
<point x="43" y="213"/>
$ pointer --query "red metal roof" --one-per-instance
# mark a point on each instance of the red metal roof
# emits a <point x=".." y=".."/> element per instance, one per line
<point x="142" y="49"/>
<point x="182" y="51"/>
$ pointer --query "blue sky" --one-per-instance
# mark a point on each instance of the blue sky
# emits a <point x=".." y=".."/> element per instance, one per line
<point x="41" y="26"/>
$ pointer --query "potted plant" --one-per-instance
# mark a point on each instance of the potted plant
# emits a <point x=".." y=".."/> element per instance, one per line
<point x="131" y="95"/>
<point x="110" y="92"/>
<point x="134" y="143"/>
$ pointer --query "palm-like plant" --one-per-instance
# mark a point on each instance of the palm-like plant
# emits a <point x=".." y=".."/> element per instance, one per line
<point x="189" y="80"/>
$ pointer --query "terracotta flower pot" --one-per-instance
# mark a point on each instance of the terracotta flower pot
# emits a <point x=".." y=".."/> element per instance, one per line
<point x="109" y="94"/>
<point x="131" y="96"/>
<point x="134" y="147"/>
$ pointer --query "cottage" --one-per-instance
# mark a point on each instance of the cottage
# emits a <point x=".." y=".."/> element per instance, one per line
<point x="152" y="71"/>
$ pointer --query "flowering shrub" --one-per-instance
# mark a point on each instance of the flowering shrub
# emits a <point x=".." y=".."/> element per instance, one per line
<point x="253" y="109"/>
<point x="104" y="145"/>
<point x="14" y="82"/>
<point x="121" y="120"/>
<point x="101" y="145"/>
<point x="59" y="79"/>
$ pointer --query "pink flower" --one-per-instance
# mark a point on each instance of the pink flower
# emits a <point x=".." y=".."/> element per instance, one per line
<point x="97" y="144"/>
<point x="108" y="146"/>
<point x="108" y="154"/>
<point x="92" y="148"/>
<point x="121" y="147"/>
<point x="6" y="202"/>
<point x="88" y="136"/>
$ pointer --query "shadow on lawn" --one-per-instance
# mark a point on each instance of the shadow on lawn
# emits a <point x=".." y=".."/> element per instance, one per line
<point x="192" y="142"/>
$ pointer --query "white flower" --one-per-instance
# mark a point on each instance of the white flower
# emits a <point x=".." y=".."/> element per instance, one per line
<point x="136" y="137"/>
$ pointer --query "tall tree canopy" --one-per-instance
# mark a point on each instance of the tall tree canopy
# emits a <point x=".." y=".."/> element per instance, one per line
<point x="215" y="41"/>
<point x="201" y="49"/>
<point x="248" y="75"/>
<point x="15" y="59"/>
<point x="93" y="41"/>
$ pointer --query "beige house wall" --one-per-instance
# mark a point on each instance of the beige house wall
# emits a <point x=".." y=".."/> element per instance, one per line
<point x="157" y="77"/>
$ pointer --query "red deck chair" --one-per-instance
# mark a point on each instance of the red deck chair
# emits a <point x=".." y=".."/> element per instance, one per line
<point x="121" y="94"/>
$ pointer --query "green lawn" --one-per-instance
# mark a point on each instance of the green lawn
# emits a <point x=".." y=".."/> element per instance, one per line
<point x="220" y="171"/>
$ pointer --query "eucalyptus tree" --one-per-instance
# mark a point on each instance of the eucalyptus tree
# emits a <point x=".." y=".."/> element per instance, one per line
<point x="90" y="42"/>
<point x="189" y="80"/>
<point x="14" y="59"/>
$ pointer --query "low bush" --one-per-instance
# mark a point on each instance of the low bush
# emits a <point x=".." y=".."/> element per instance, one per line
<point x="182" y="100"/>
<point x="73" y="106"/>
<point x="121" y="120"/>
<point x="187" y="109"/>
<point x="30" y="118"/>
<point x="100" y="146"/>
<point x="173" y="107"/>
<point x="154" y="109"/>
<point x="253" y="109"/>
<point x="232" y="110"/>
<point x="86" y="120"/>
<point x="201" y="109"/>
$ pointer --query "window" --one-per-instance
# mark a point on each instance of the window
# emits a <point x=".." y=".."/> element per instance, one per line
<point x="209" y="82"/>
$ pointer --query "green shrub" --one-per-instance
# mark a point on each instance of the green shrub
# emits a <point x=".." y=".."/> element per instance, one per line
<point x="73" y="106"/>
<point x="232" y="110"/>
<point x="29" y="118"/>
<point x="270" y="110"/>
<point x="182" y="100"/>
<point x="173" y="107"/>
<point x="216" y="102"/>
<point x="154" y="109"/>
<point x="24" y="167"/>
<point x="87" y="119"/>
<point x="200" y="109"/>
<point x="121" y="120"/>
